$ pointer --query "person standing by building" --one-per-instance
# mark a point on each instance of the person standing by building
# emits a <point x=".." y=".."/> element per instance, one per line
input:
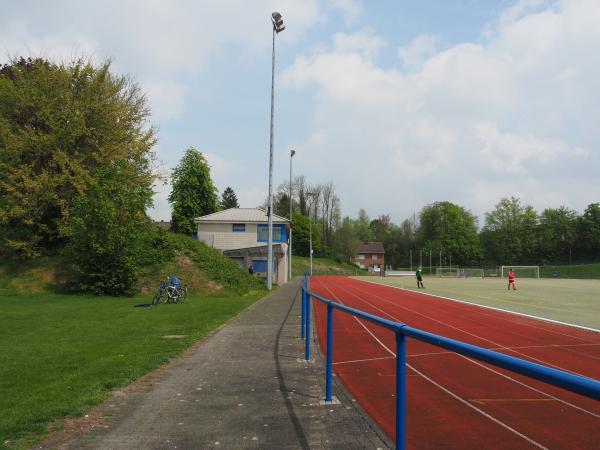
<point x="419" y="274"/>
<point x="511" y="279"/>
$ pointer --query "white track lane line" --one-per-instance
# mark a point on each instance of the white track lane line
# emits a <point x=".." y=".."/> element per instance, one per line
<point x="494" y="343"/>
<point x="474" y="362"/>
<point x="361" y="360"/>
<point x="447" y="391"/>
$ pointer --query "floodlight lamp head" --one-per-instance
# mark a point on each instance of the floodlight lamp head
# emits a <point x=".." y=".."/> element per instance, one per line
<point x="292" y="153"/>
<point x="277" y="22"/>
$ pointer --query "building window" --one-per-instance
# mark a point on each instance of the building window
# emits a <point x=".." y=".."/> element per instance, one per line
<point x="361" y="256"/>
<point x="239" y="227"/>
<point x="374" y="257"/>
<point x="279" y="233"/>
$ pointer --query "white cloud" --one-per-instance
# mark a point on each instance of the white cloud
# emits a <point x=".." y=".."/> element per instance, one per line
<point x="416" y="52"/>
<point x="447" y="123"/>
<point x="161" y="42"/>
<point x="351" y="9"/>
<point x="167" y="99"/>
<point x="220" y="168"/>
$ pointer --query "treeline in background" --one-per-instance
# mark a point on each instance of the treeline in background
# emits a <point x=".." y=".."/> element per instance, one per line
<point x="443" y="232"/>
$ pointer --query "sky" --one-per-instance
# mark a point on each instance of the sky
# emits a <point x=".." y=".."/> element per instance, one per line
<point x="399" y="103"/>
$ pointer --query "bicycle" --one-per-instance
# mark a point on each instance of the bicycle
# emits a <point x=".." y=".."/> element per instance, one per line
<point x="167" y="293"/>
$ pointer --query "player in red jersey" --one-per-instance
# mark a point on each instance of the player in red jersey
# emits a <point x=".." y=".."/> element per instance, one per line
<point x="511" y="280"/>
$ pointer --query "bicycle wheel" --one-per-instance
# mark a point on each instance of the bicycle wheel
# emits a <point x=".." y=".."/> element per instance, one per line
<point x="156" y="299"/>
<point x="182" y="293"/>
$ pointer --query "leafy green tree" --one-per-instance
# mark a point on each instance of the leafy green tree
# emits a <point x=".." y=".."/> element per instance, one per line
<point x="302" y="228"/>
<point x="362" y="228"/>
<point x="588" y="242"/>
<point x="110" y="235"/>
<point x="346" y="242"/>
<point x="229" y="199"/>
<point x="193" y="194"/>
<point x="557" y="234"/>
<point x="58" y="124"/>
<point x="451" y="229"/>
<point x="509" y="235"/>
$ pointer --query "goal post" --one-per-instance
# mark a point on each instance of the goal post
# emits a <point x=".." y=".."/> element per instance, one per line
<point x="447" y="272"/>
<point x="521" y="271"/>
<point x="469" y="273"/>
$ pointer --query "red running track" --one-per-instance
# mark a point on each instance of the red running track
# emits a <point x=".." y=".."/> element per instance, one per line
<point x="455" y="402"/>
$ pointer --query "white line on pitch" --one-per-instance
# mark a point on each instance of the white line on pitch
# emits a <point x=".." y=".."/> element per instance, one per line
<point x="487" y="307"/>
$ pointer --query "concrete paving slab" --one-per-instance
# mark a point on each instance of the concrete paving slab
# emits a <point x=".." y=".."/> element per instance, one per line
<point x="246" y="386"/>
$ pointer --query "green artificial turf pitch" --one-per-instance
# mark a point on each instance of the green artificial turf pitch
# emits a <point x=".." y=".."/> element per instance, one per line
<point x="566" y="300"/>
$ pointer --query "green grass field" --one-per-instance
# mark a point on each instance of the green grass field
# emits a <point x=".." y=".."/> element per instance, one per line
<point x="566" y="300"/>
<point x="63" y="354"/>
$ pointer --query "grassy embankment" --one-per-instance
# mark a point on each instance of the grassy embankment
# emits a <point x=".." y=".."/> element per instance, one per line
<point x="323" y="266"/>
<point x="62" y="354"/>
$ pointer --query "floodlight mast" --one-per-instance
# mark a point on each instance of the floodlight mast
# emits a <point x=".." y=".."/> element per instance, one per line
<point x="278" y="27"/>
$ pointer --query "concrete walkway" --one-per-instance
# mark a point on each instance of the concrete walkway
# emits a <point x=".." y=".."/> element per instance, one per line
<point x="246" y="386"/>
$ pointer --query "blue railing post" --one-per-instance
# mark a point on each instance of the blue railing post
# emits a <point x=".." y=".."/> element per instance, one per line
<point x="307" y="340"/>
<point x="329" y="352"/>
<point x="400" y="391"/>
<point x="303" y="306"/>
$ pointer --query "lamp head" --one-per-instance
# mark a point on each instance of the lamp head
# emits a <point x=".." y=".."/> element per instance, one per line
<point x="292" y="153"/>
<point x="277" y="22"/>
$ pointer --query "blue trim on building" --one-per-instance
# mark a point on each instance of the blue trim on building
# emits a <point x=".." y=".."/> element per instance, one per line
<point x="260" y="265"/>
<point x="265" y="227"/>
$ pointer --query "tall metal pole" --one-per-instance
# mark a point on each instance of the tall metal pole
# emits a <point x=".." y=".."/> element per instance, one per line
<point x="290" y="245"/>
<point x="270" y="209"/>
<point x="310" y="237"/>
<point x="430" y="267"/>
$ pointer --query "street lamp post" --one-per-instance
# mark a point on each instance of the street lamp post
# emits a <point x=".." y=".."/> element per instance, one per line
<point x="278" y="27"/>
<point x="292" y="153"/>
<point x="310" y="248"/>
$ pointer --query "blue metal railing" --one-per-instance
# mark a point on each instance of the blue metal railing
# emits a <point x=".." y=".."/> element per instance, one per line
<point x="581" y="385"/>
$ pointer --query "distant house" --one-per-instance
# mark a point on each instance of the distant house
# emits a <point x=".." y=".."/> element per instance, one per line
<point x="242" y="235"/>
<point x="370" y="256"/>
<point x="166" y="224"/>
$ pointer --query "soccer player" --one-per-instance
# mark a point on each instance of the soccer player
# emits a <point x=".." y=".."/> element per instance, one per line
<point x="419" y="274"/>
<point x="511" y="280"/>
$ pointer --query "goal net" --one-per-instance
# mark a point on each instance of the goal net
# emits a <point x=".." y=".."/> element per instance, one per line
<point x="468" y="273"/>
<point x="447" y="271"/>
<point x="521" y="271"/>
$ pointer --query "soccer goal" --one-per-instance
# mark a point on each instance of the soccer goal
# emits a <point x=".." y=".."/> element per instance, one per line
<point x="447" y="272"/>
<point x="469" y="273"/>
<point x="521" y="271"/>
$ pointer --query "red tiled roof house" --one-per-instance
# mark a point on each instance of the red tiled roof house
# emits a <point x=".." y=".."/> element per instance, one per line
<point x="370" y="256"/>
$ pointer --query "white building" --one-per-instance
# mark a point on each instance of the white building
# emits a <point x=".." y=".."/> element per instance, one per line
<point x="242" y="235"/>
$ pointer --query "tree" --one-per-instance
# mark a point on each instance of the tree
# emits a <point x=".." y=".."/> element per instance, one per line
<point x="193" y="194"/>
<point x="346" y="242"/>
<point x="58" y="124"/>
<point x="110" y="235"/>
<point x="229" y="199"/>
<point x="588" y="242"/>
<point x="302" y="228"/>
<point x="557" y="234"/>
<point x="509" y="233"/>
<point x="362" y="230"/>
<point x="451" y="229"/>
